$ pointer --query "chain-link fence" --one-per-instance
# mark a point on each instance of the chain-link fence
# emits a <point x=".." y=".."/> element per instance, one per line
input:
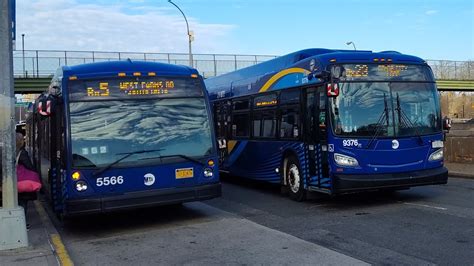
<point x="43" y="63"/>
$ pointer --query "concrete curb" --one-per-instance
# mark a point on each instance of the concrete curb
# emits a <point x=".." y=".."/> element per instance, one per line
<point x="55" y="242"/>
<point x="460" y="175"/>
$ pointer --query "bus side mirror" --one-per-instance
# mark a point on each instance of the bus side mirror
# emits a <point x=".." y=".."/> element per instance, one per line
<point x="446" y="124"/>
<point x="45" y="105"/>
<point x="324" y="75"/>
<point x="332" y="89"/>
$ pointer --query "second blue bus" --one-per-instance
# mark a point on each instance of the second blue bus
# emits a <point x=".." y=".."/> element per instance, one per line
<point x="331" y="121"/>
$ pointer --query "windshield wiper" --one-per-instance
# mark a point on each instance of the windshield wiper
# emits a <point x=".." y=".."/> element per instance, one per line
<point x="127" y="154"/>
<point x="383" y="119"/>
<point x="180" y="156"/>
<point x="403" y="118"/>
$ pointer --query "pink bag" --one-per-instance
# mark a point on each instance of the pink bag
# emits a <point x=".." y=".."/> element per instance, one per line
<point x="28" y="181"/>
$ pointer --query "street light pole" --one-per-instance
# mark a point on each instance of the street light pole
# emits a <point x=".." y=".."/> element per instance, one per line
<point x="351" y="42"/>
<point x="189" y="33"/>
<point x="12" y="217"/>
<point x="23" y="52"/>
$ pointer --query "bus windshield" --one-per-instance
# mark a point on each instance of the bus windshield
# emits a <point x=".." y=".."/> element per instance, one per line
<point x="102" y="131"/>
<point x="394" y="109"/>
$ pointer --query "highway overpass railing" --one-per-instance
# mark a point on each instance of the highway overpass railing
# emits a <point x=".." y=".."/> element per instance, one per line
<point x="43" y="63"/>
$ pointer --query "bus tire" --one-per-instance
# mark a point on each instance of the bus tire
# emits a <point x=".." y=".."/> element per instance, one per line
<point x="294" y="179"/>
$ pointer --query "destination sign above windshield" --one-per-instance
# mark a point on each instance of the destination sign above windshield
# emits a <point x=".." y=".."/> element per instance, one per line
<point x="134" y="87"/>
<point x="383" y="72"/>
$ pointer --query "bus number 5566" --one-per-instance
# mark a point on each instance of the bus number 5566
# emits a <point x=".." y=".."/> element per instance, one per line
<point x="106" y="181"/>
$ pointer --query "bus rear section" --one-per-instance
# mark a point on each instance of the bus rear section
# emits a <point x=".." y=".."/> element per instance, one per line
<point x="125" y="135"/>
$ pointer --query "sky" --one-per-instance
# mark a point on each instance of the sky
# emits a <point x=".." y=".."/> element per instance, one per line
<point x="430" y="29"/>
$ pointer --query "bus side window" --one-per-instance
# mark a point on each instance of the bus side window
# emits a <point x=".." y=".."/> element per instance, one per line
<point x="264" y="124"/>
<point x="289" y="124"/>
<point x="240" y="125"/>
<point x="269" y="126"/>
<point x="240" y="117"/>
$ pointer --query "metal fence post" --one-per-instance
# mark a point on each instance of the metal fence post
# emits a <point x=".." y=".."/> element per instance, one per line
<point x="455" y="69"/>
<point x="215" y="65"/>
<point x="169" y="62"/>
<point x="93" y="56"/>
<point x="33" y="66"/>
<point x="37" y="64"/>
<point x="235" y="62"/>
<point x="65" y="58"/>
<point x="144" y="56"/>
<point x="119" y="56"/>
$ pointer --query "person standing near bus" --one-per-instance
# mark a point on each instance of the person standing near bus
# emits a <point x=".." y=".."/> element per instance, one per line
<point x="23" y="159"/>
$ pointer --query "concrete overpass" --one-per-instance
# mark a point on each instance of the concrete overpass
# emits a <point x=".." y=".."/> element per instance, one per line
<point x="38" y="85"/>
<point x="31" y="85"/>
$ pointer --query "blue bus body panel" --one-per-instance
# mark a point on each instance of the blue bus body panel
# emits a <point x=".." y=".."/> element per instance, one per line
<point x="110" y="69"/>
<point x="134" y="179"/>
<point x="291" y="70"/>
<point x="260" y="159"/>
<point x="411" y="155"/>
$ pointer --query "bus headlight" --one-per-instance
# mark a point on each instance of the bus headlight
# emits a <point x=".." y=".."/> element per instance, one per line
<point x="81" y="186"/>
<point x="344" y="160"/>
<point x="436" y="156"/>
<point x="208" y="172"/>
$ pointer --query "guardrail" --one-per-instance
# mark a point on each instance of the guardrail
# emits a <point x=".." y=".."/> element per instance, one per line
<point x="43" y="63"/>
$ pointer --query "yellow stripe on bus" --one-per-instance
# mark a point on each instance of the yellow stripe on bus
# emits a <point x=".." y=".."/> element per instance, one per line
<point x="231" y="145"/>
<point x="281" y="74"/>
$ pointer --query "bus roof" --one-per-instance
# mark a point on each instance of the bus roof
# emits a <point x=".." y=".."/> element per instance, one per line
<point x="111" y="68"/>
<point x="323" y="57"/>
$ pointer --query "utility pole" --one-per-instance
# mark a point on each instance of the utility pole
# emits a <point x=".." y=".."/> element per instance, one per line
<point x="190" y="34"/>
<point x="12" y="217"/>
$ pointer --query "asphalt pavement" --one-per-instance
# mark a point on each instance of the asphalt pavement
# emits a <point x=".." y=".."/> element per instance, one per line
<point x="253" y="224"/>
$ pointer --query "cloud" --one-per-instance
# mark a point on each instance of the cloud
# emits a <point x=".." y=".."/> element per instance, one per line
<point x="431" y="12"/>
<point x="69" y="25"/>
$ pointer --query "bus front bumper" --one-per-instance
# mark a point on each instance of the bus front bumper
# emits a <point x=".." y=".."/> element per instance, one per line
<point x="142" y="199"/>
<point x="356" y="183"/>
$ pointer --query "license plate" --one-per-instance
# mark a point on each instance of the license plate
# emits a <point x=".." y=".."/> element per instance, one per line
<point x="184" y="173"/>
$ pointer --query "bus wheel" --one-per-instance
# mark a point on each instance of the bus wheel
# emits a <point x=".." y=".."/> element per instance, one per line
<point x="294" y="179"/>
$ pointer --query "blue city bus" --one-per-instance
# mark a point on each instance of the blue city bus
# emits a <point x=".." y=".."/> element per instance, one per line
<point x="126" y="134"/>
<point x="331" y="121"/>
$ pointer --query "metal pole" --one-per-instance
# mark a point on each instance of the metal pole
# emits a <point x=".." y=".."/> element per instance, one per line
<point x="37" y="65"/>
<point x="215" y="65"/>
<point x="23" y="51"/>
<point x="189" y="34"/>
<point x="12" y="218"/>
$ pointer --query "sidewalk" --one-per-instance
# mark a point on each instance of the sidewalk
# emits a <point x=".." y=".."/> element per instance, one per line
<point x="40" y="250"/>
<point x="463" y="170"/>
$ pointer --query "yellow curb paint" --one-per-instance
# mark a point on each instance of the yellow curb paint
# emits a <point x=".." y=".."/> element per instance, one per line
<point x="58" y="246"/>
<point x="61" y="251"/>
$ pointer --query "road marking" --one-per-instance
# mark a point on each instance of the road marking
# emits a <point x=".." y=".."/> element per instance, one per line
<point x="426" y="206"/>
<point x="56" y="243"/>
<point x="61" y="251"/>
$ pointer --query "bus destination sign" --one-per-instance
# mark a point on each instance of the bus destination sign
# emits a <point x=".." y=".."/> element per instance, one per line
<point x="135" y="87"/>
<point x="102" y="89"/>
